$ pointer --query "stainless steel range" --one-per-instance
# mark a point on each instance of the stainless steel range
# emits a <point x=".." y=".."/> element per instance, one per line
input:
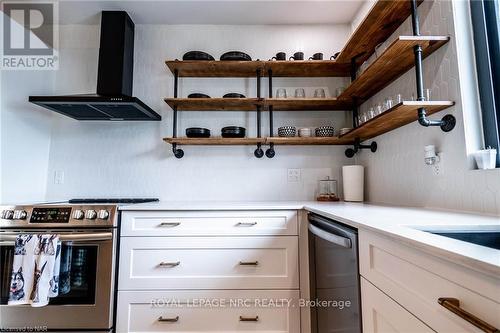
<point x="89" y="227"/>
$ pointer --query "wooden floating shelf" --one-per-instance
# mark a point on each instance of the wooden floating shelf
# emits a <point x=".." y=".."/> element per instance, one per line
<point x="250" y="104"/>
<point x="295" y="141"/>
<point x="399" y="115"/>
<point x="300" y="68"/>
<point x="396" y="60"/>
<point x="298" y="141"/>
<point x="215" y="68"/>
<point x="312" y="104"/>
<point x="307" y="68"/>
<point x="215" y="141"/>
<point x="215" y="104"/>
<point x="381" y="21"/>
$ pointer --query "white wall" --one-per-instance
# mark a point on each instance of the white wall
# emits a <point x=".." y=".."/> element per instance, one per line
<point x="130" y="159"/>
<point x="24" y="135"/>
<point x="396" y="173"/>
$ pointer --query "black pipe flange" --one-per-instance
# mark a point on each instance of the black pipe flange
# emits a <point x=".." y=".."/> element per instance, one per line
<point x="350" y="152"/>
<point x="270" y="153"/>
<point x="449" y="123"/>
<point x="179" y="153"/>
<point x="259" y="153"/>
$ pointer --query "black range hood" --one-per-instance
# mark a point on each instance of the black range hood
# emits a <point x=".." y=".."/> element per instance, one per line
<point x="113" y="100"/>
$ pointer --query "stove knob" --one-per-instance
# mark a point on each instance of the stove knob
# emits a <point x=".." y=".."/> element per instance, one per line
<point x="91" y="214"/>
<point x="20" y="214"/>
<point x="103" y="214"/>
<point x="7" y="214"/>
<point x="78" y="214"/>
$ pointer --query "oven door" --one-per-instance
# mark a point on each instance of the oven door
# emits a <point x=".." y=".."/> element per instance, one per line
<point x="89" y="301"/>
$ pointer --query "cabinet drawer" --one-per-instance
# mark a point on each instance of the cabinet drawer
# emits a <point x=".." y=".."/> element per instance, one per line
<point x="416" y="280"/>
<point x="208" y="263"/>
<point x="382" y="314"/>
<point x="204" y="223"/>
<point x="182" y="311"/>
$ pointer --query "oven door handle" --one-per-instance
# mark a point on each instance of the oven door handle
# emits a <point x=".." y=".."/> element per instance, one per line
<point x="332" y="238"/>
<point x="8" y="237"/>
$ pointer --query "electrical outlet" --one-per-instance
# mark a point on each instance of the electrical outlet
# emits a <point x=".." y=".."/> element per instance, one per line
<point x="294" y="175"/>
<point x="58" y="177"/>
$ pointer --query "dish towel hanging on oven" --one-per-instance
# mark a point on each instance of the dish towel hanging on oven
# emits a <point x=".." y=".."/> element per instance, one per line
<point x="35" y="269"/>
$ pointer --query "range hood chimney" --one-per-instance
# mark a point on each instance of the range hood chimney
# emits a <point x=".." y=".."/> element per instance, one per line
<point x="113" y="100"/>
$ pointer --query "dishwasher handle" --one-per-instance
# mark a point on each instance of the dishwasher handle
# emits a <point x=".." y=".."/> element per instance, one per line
<point x="329" y="237"/>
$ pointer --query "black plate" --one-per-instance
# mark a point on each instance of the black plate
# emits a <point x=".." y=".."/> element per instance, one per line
<point x="198" y="95"/>
<point x="234" y="95"/>
<point x="235" y="56"/>
<point x="233" y="132"/>
<point x="197" y="55"/>
<point x="197" y="132"/>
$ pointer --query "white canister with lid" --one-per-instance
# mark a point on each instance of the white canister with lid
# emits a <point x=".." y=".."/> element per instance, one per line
<point x="353" y="180"/>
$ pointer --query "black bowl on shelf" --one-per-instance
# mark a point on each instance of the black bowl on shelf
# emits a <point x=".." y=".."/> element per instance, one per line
<point x="235" y="56"/>
<point x="233" y="95"/>
<point x="324" y="131"/>
<point x="287" y="131"/>
<point x="233" y="132"/>
<point x="198" y="95"/>
<point x="197" y="132"/>
<point x="197" y="55"/>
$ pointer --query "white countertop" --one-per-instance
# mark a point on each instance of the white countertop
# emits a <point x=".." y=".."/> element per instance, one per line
<point x="401" y="223"/>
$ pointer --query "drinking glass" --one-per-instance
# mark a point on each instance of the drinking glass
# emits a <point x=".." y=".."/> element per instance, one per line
<point x="388" y="103"/>
<point x="371" y="113"/>
<point x="399" y="98"/>
<point x="339" y="91"/>
<point x="361" y="117"/>
<point x="427" y="94"/>
<point x="281" y="93"/>
<point x="300" y="93"/>
<point x="319" y="93"/>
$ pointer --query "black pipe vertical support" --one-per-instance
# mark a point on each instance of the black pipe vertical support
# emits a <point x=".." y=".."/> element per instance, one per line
<point x="258" y="152"/>
<point x="270" y="152"/>
<point x="415" y="23"/>
<point x="354" y="68"/>
<point x="350" y="152"/>
<point x="179" y="153"/>
<point x="447" y="123"/>
<point x="270" y="77"/>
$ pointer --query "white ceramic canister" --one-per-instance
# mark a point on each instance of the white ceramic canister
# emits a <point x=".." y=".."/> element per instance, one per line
<point x="353" y="180"/>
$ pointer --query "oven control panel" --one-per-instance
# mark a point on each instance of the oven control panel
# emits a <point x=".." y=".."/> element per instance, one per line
<point x="57" y="216"/>
<point x="50" y="215"/>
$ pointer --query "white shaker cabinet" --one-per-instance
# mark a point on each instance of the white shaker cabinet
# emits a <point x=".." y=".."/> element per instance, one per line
<point x="416" y="281"/>
<point x="381" y="314"/>
<point x="188" y="256"/>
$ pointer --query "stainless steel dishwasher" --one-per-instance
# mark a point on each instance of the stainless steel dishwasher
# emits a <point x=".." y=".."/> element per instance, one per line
<point x="334" y="276"/>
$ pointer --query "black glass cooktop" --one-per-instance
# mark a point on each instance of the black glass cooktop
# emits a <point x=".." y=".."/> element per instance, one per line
<point x="111" y="200"/>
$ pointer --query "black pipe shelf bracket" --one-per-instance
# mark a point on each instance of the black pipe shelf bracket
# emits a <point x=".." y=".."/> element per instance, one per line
<point x="448" y="122"/>
<point x="350" y="152"/>
<point x="259" y="153"/>
<point x="270" y="152"/>
<point x="179" y="153"/>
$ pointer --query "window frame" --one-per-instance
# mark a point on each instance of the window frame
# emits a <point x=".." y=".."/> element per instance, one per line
<point x="485" y="16"/>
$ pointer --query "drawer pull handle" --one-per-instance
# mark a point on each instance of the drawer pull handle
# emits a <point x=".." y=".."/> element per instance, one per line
<point x="453" y="305"/>
<point x="249" y="263"/>
<point x="246" y="224"/>
<point x="169" y="264"/>
<point x="169" y="224"/>
<point x="169" y="320"/>
<point x="256" y="318"/>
